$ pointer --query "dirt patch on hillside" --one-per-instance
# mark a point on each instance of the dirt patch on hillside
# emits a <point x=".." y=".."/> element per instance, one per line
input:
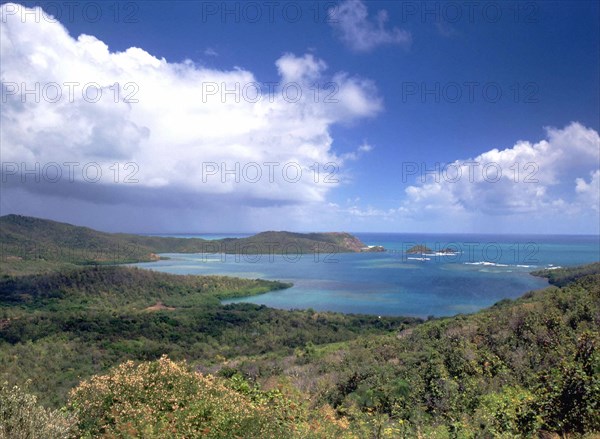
<point x="159" y="306"/>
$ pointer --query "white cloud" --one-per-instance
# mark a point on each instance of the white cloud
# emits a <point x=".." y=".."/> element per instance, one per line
<point x="588" y="194"/>
<point x="365" y="147"/>
<point x="209" y="51"/>
<point x="177" y="125"/>
<point x="551" y="186"/>
<point x="355" y="155"/>
<point x="350" y="19"/>
<point x="531" y="178"/>
<point x="302" y="70"/>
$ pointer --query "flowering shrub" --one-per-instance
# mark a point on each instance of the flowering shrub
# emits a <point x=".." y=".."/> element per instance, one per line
<point x="164" y="399"/>
<point x="22" y="418"/>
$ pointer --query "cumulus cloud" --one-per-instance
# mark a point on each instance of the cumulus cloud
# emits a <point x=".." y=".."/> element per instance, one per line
<point x="174" y="121"/>
<point x="350" y="20"/>
<point x="549" y="186"/>
<point x="588" y="194"/>
<point x="531" y="178"/>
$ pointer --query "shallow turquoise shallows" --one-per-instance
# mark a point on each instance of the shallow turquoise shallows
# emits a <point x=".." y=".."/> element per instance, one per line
<point x="481" y="270"/>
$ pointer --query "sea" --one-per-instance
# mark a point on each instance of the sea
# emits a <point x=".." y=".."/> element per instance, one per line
<point x="461" y="274"/>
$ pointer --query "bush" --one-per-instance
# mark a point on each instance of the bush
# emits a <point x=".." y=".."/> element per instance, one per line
<point x="510" y="413"/>
<point x="22" y="418"/>
<point x="164" y="399"/>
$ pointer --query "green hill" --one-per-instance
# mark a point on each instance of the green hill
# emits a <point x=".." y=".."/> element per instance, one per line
<point x="563" y="276"/>
<point x="29" y="238"/>
<point x="523" y="368"/>
<point x="30" y="245"/>
<point x="59" y="327"/>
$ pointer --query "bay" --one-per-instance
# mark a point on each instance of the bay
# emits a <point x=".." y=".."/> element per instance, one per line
<point x="480" y="271"/>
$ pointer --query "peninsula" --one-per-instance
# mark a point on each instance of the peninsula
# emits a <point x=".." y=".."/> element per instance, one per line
<point x="32" y="241"/>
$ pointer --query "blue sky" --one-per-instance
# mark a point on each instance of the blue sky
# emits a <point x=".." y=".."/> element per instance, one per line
<point x="402" y="74"/>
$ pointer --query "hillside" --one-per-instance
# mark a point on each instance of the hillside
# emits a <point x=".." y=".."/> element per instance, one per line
<point x="563" y="276"/>
<point x="29" y="238"/>
<point x="516" y="369"/>
<point x="523" y="368"/>
<point x="29" y="245"/>
<point x="60" y="327"/>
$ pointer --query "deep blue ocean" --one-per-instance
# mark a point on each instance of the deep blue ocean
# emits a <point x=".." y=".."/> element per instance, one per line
<point x="480" y="271"/>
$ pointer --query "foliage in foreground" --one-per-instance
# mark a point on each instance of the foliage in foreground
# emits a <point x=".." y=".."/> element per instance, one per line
<point x="21" y="417"/>
<point x="164" y="399"/>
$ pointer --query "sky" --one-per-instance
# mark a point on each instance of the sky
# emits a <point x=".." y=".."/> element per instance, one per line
<point x="359" y="116"/>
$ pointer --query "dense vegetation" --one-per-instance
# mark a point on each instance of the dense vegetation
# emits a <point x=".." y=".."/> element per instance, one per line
<point x="33" y="240"/>
<point x="513" y="370"/>
<point x="172" y="401"/>
<point x="72" y="339"/>
<point x="563" y="276"/>
<point x="516" y="369"/>
<point x="60" y="327"/>
<point x="32" y="245"/>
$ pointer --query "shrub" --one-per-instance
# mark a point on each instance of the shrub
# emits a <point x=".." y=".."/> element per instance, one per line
<point x="22" y="418"/>
<point x="509" y="413"/>
<point x="164" y="399"/>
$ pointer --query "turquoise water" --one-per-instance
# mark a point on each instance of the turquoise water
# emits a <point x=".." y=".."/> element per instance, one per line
<point x="481" y="271"/>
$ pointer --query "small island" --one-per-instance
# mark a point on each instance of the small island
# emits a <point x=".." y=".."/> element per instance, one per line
<point x="418" y="249"/>
<point x="423" y="249"/>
